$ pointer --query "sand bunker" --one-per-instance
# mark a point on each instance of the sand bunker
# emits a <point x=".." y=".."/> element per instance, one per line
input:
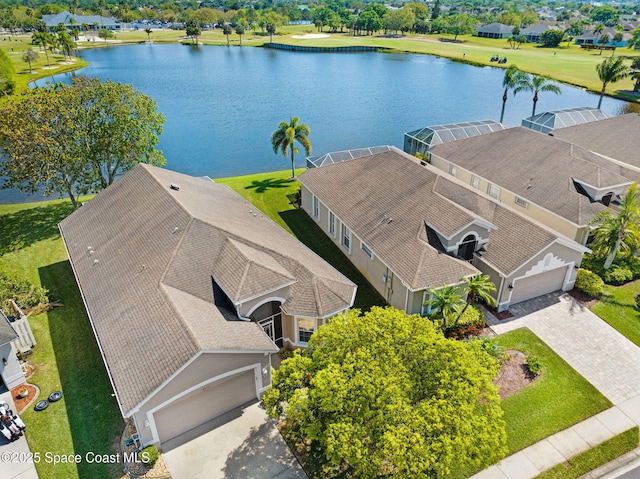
<point x="311" y="35"/>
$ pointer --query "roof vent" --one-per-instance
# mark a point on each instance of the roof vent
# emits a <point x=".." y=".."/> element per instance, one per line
<point x="174" y="186"/>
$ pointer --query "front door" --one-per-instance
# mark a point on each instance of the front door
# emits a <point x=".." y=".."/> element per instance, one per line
<point x="269" y="317"/>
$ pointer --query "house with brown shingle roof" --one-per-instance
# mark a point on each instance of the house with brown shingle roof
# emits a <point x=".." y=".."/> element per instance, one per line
<point x="190" y="290"/>
<point x="409" y="228"/>
<point x="552" y="181"/>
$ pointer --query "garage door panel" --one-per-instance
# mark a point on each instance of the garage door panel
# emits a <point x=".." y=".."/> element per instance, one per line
<point x="538" y="284"/>
<point x="207" y="403"/>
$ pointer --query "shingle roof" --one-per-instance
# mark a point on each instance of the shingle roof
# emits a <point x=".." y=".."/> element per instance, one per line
<point x="390" y="196"/>
<point x="67" y="18"/>
<point x="7" y="333"/>
<point x="617" y="137"/>
<point x="537" y="167"/>
<point x="495" y="28"/>
<point x="145" y="255"/>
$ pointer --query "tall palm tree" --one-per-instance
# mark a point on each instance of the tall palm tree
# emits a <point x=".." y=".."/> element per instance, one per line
<point x="286" y="135"/>
<point x="478" y="286"/>
<point x="511" y="79"/>
<point x="621" y="232"/>
<point x="445" y="301"/>
<point x="611" y="70"/>
<point x="635" y="73"/>
<point x="148" y="32"/>
<point x="536" y="84"/>
<point x="42" y="40"/>
<point x="227" y="30"/>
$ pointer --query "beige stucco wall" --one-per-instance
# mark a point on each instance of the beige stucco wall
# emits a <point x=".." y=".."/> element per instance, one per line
<point x="203" y="368"/>
<point x="11" y="374"/>
<point x="559" y="224"/>
<point x="288" y="330"/>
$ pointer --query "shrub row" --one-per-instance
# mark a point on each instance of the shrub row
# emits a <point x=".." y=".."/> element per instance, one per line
<point x="621" y="271"/>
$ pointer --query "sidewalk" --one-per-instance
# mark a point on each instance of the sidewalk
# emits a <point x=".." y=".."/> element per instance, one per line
<point x="15" y="468"/>
<point x="600" y="354"/>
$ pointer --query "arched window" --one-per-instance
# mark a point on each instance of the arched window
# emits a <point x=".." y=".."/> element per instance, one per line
<point x="606" y="199"/>
<point x="467" y="247"/>
<point x="269" y="317"/>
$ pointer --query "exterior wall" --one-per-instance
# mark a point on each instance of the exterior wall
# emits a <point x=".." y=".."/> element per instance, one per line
<point x="281" y="295"/>
<point x="288" y="330"/>
<point x="377" y="273"/>
<point x="489" y="270"/>
<point x="557" y="223"/>
<point x="203" y="368"/>
<point x="11" y="374"/>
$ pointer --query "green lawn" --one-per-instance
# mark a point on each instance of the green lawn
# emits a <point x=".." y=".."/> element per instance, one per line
<point x="595" y="457"/>
<point x="618" y="308"/>
<point x="557" y="399"/>
<point x="273" y="194"/>
<point x="66" y="357"/>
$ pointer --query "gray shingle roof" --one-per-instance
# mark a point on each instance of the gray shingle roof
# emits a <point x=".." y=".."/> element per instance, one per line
<point x="7" y="333"/>
<point x="145" y="255"/>
<point x="495" y="28"/>
<point x="617" y="137"/>
<point x="67" y="18"/>
<point x="537" y="167"/>
<point x="390" y="196"/>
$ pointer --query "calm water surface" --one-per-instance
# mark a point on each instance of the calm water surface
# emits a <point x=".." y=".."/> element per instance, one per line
<point x="221" y="103"/>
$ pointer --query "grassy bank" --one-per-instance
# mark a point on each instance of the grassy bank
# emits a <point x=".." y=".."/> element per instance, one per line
<point x="617" y="307"/>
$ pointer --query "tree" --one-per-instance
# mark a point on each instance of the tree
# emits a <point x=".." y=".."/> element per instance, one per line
<point x="536" y="84"/>
<point x="460" y="24"/>
<point x="7" y="71"/>
<point x="227" y="30"/>
<point x="445" y="302"/>
<point x="105" y="34"/>
<point x="512" y="78"/>
<point x="611" y="70"/>
<point x="476" y="287"/>
<point x="552" y="38"/>
<point x="148" y="31"/>
<point x="634" y="41"/>
<point x="605" y="14"/>
<point x="618" y="233"/>
<point x="193" y="30"/>
<point x="79" y="138"/>
<point x="603" y="40"/>
<point x="635" y="75"/>
<point x="383" y="394"/>
<point x="401" y="19"/>
<point x="66" y="43"/>
<point x="271" y="30"/>
<point x="286" y="135"/>
<point x="369" y="21"/>
<point x="42" y="40"/>
<point x="240" y="31"/>
<point x="29" y="56"/>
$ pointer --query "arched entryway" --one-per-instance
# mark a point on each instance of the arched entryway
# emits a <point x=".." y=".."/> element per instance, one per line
<point x="606" y="199"/>
<point x="269" y="317"/>
<point x="467" y="247"/>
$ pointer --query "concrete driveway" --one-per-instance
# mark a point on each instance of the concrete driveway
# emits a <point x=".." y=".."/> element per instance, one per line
<point x="14" y="463"/>
<point x="244" y="444"/>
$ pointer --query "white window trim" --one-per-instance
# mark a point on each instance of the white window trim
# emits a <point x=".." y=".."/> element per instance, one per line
<point x="521" y="202"/>
<point x="315" y="328"/>
<point x="491" y="187"/>
<point x="344" y="228"/>
<point x="315" y="205"/>
<point x="366" y="250"/>
<point x="453" y="170"/>
<point x="331" y="223"/>
<point x="475" y="181"/>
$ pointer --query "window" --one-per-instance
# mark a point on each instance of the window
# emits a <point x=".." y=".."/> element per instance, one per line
<point x="520" y="202"/>
<point x="332" y="224"/>
<point x="306" y="328"/>
<point x="346" y="238"/>
<point x="453" y="170"/>
<point x="494" y="192"/>
<point x="316" y="207"/>
<point x="467" y="247"/>
<point x="366" y="250"/>
<point x="475" y="181"/>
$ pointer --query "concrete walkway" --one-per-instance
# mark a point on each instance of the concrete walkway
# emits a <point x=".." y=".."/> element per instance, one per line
<point x="13" y="455"/>
<point x="600" y="354"/>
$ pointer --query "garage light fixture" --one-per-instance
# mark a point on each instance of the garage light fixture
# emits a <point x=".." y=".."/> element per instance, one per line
<point x="510" y="286"/>
<point x="4" y="361"/>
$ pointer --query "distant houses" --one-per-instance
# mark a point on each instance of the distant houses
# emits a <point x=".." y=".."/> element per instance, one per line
<point x="80" y="22"/>
<point x="495" y="30"/>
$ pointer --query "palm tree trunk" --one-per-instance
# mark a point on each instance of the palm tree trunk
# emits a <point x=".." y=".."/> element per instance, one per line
<point x="504" y="103"/>
<point x="293" y="170"/>
<point x="601" y="96"/>
<point x="611" y="256"/>
<point x="535" y="100"/>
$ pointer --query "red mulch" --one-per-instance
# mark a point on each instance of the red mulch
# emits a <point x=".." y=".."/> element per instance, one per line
<point x="583" y="298"/>
<point x="502" y="314"/>
<point x="514" y="374"/>
<point x="22" y="403"/>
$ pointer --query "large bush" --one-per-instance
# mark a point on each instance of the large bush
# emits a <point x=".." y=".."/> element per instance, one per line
<point x="617" y="275"/>
<point x="22" y="292"/>
<point x="471" y="323"/>
<point x="149" y="455"/>
<point x="588" y="282"/>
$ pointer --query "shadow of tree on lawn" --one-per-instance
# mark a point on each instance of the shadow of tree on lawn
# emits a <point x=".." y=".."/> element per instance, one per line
<point x="25" y="227"/>
<point x="263" y="185"/>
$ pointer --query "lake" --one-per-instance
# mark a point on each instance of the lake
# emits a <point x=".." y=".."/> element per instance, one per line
<point x="222" y="103"/>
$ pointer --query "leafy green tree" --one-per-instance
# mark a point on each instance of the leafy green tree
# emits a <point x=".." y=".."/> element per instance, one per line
<point x="29" y="56"/>
<point x="552" y="38"/>
<point x="369" y="21"/>
<point x="536" y="84"/>
<point x="193" y="30"/>
<point x="284" y="138"/>
<point x="634" y="41"/>
<point x="605" y="14"/>
<point x="435" y="12"/>
<point x="460" y="24"/>
<point x="611" y="70"/>
<point x="399" y="20"/>
<point x="7" y="71"/>
<point x="227" y="30"/>
<point x="445" y="302"/>
<point x="240" y="31"/>
<point x="76" y="139"/>
<point x="618" y="234"/>
<point x="383" y="394"/>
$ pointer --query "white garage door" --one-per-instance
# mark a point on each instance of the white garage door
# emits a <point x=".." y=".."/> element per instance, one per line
<point x="205" y="404"/>
<point x="529" y="287"/>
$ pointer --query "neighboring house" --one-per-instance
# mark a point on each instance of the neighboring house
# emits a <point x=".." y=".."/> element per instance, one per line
<point x="532" y="33"/>
<point x="11" y="374"/>
<point x="71" y="20"/>
<point x="548" y="121"/>
<point x="190" y="290"/>
<point x="554" y="182"/>
<point x="409" y="228"/>
<point x="420" y="141"/>
<point x="591" y="38"/>
<point x="494" y="30"/>
<point x="616" y="139"/>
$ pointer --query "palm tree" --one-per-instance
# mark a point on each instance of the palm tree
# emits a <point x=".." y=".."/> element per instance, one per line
<point x="445" y="301"/>
<point x="478" y="286"/>
<point x="284" y="137"/>
<point x="635" y="73"/>
<point x="227" y="30"/>
<point x="42" y="39"/>
<point x="240" y="31"/>
<point x="536" y="84"/>
<point x="611" y="70"/>
<point x="148" y="32"/>
<point x="511" y="79"/>
<point x="29" y="56"/>
<point x="621" y="232"/>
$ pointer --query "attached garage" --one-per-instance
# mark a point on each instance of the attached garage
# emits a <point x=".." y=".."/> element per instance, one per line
<point x="205" y="403"/>
<point x="532" y="286"/>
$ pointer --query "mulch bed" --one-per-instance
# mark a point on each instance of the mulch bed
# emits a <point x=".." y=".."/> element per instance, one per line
<point x="514" y="375"/>
<point x="23" y="403"/>
<point x="583" y="298"/>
